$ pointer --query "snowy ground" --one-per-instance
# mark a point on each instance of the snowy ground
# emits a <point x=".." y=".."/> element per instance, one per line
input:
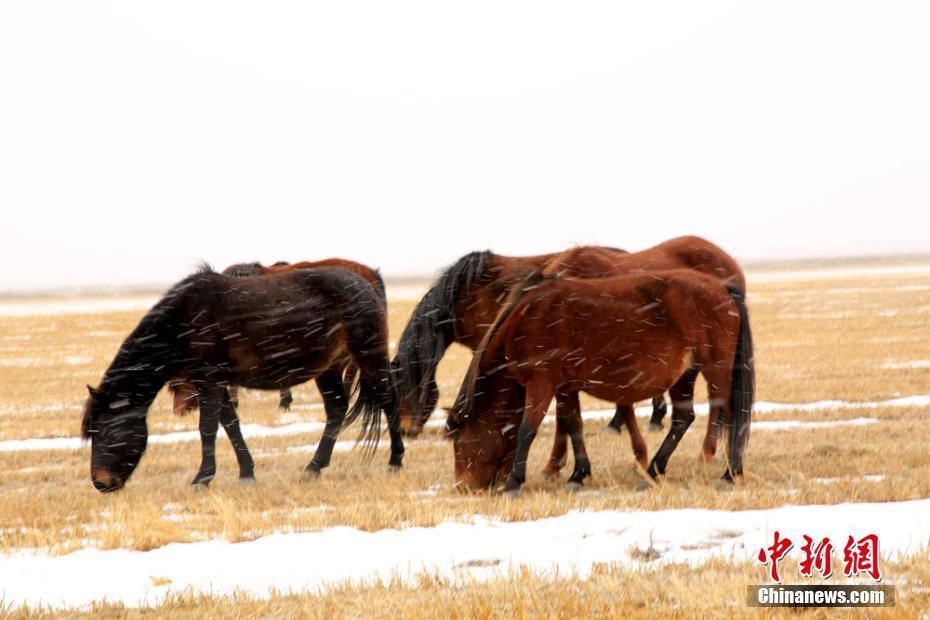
<point x="477" y="548"/>
<point x="480" y="548"/>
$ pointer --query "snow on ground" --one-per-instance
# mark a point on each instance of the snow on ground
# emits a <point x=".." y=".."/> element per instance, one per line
<point x="572" y="543"/>
<point x="855" y="480"/>
<point x="911" y="364"/>
<point x="258" y="430"/>
<point x="75" y="443"/>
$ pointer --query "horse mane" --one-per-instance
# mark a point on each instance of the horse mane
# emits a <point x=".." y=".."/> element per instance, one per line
<point x="142" y="350"/>
<point x="464" y="408"/>
<point x="242" y="270"/>
<point x="431" y="328"/>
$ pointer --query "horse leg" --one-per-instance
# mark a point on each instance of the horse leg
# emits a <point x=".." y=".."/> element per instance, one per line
<point x="575" y="428"/>
<point x="212" y="397"/>
<point x="659" y="410"/>
<point x="286" y="399"/>
<point x="640" y="450"/>
<point x="559" y="454"/>
<point x="234" y="395"/>
<point x="392" y="412"/>
<point x="719" y="415"/>
<point x="230" y="421"/>
<point x="682" y="394"/>
<point x="616" y="422"/>
<point x="538" y="395"/>
<point x="336" y="404"/>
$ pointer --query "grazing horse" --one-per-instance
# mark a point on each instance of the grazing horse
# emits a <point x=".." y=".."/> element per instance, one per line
<point x="467" y="297"/>
<point x="265" y="333"/>
<point x="619" y="339"/>
<point x="184" y="392"/>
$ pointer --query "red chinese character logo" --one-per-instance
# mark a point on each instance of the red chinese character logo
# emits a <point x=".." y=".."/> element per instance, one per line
<point x="861" y="556"/>
<point x="817" y="557"/>
<point x="773" y="555"/>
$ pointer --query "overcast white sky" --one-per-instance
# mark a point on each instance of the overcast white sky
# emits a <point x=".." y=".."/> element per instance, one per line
<point x="138" y="138"/>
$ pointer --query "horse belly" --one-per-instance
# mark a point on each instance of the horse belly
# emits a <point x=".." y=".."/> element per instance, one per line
<point x="284" y="366"/>
<point x="629" y="377"/>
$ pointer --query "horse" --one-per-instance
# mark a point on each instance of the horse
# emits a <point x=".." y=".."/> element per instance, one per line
<point x="183" y="391"/>
<point x="466" y="298"/>
<point x="619" y="339"/>
<point x="264" y="332"/>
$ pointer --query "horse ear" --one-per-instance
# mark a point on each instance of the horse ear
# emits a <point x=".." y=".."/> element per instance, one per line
<point x="93" y="393"/>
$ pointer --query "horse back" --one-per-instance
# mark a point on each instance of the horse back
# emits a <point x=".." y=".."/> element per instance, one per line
<point x="586" y="262"/>
<point x="699" y="254"/>
<point x="278" y="330"/>
<point x="370" y="275"/>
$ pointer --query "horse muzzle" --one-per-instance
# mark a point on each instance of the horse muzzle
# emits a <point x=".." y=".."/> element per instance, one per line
<point x="104" y="481"/>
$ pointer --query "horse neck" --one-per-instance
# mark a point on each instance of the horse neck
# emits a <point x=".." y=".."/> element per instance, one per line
<point x="146" y="360"/>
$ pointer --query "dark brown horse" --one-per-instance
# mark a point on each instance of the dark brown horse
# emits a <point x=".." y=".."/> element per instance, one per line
<point x="264" y="332"/>
<point x="467" y="297"/>
<point x="619" y="339"/>
<point x="183" y="391"/>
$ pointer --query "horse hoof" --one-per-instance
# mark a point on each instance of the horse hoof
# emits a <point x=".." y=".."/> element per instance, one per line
<point x="247" y="481"/>
<point x="201" y="480"/>
<point x="573" y="486"/>
<point x="616" y="429"/>
<point x="312" y="472"/>
<point x="550" y="473"/>
<point x="655" y="427"/>
<point x="645" y="485"/>
<point x="514" y="493"/>
<point x="394" y="469"/>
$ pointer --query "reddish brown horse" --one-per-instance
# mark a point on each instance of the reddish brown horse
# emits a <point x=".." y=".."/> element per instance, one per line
<point x="620" y="339"/>
<point x="467" y="297"/>
<point x="183" y="391"/>
<point x="591" y="262"/>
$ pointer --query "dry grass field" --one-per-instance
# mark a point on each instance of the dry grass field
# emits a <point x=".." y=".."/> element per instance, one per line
<point x="852" y="335"/>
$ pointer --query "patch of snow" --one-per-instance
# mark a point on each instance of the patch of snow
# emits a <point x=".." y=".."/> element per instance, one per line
<point x="911" y="364"/>
<point x="866" y="478"/>
<point x="250" y="431"/>
<point x="482" y="548"/>
<point x="786" y="425"/>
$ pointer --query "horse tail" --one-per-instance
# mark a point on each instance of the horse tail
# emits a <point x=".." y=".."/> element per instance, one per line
<point x="380" y="288"/>
<point x="431" y="330"/>
<point x="743" y="387"/>
<point x="367" y="341"/>
<point x="350" y="379"/>
<point x="464" y="407"/>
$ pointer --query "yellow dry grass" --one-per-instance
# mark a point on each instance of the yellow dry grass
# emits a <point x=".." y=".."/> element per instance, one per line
<point x="833" y="337"/>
